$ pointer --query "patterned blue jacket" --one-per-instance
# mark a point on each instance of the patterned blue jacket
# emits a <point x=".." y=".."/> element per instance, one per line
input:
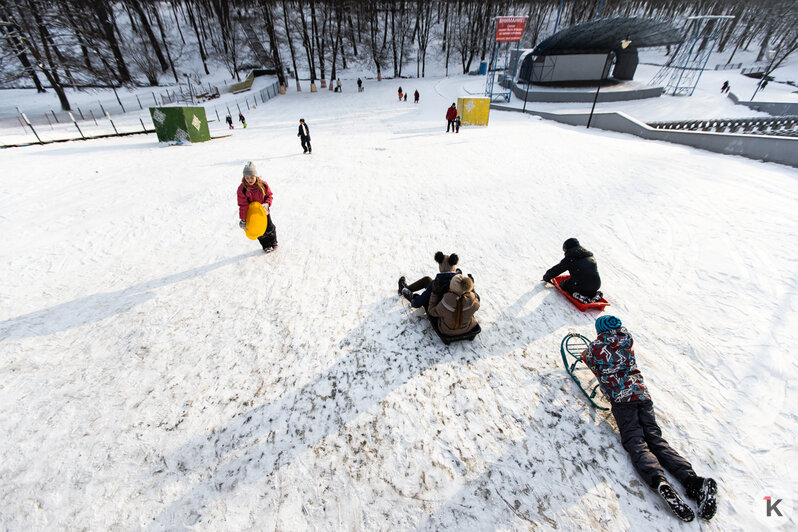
<point x="612" y="360"/>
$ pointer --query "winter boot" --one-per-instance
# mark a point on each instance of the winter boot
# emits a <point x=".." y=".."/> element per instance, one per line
<point x="408" y="294"/>
<point x="704" y="490"/>
<point x="675" y="502"/>
<point x="402" y="284"/>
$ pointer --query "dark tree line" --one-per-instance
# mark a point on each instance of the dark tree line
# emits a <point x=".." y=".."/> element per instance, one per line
<point x="77" y="43"/>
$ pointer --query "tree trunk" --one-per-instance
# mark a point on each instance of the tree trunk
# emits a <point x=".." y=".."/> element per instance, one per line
<point x="307" y="42"/>
<point x="291" y="45"/>
<point x="102" y="10"/>
<point x="203" y="55"/>
<point x="11" y="33"/>
<point x="268" y="18"/>
<point x="165" y="44"/>
<point x="177" y="23"/>
<point x="145" y="24"/>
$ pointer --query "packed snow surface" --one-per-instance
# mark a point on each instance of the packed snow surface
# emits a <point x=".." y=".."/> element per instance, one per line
<point x="158" y="371"/>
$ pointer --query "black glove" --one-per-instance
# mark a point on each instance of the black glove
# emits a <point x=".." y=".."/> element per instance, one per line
<point x="242" y="224"/>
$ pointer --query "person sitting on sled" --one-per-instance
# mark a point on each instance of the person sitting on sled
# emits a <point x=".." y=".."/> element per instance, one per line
<point x="582" y="266"/>
<point x="612" y="360"/>
<point x="447" y="267"/>
<point x="455" y="309"/>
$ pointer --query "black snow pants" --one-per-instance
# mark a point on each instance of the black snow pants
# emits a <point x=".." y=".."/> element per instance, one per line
<point x="269" y="238"/>
<point x="642" y="439"/>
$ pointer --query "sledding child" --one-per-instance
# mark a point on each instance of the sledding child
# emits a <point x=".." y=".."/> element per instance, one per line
<point x="612" y="360"/>
<point x="580" y="263"/>
<point x="447" y="268"/>
<point x="455" y="309"/>
<point x="254" y="189"/>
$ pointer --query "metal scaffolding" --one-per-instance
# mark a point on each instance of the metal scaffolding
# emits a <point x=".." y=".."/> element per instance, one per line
<point x="681" y="74"/>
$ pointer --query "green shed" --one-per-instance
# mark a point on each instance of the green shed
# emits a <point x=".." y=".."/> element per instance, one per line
<point x="180" y="124"/>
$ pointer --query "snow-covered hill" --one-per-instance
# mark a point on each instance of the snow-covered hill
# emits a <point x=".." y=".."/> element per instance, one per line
<point x="158" y="371"/>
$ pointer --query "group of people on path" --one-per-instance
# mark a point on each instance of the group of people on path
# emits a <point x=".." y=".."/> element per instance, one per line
<point x="451" y="302"/>
<point x="725" y="88"/>
<point x="229" y="120"/>
<point x="403" y="95"/>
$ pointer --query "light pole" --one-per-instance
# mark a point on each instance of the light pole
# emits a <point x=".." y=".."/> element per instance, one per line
<point x="624" y="44"/>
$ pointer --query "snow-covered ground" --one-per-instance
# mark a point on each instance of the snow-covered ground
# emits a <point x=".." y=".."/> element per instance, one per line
<point x="158" y="371"/>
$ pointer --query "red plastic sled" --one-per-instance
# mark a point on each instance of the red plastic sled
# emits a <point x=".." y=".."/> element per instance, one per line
<point x="578" y="304"/>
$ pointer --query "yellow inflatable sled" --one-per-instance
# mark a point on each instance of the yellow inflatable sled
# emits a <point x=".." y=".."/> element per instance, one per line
<point x="256" y="220"/>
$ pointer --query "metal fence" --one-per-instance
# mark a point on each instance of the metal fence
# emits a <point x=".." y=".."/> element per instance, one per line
<point x="84" y="124"/>
<point x="730" y="66"/>
<point x="784" y="126"/>
<point x="181" y="95"/>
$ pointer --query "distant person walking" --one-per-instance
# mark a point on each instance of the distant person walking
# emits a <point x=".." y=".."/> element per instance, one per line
<point x="457" y="124"/>
<point x="229" y="120"/>
<point x="304" y="136"/>
<point x="416" y="95"/>
<point x="338" y="85"/>
<point x="725" y="87"/>
<point x="242" y="120"/>
<point x="451" y="114"/>
<point x="400" y="93"/>
<point x="359" y="85"/>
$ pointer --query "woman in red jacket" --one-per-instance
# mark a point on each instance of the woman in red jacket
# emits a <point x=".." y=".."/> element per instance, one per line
<point x="254" y="189"/>
<point x="451" y="114"/>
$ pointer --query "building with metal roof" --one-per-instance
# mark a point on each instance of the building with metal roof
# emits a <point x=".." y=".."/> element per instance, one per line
<point x="586" y="52"/>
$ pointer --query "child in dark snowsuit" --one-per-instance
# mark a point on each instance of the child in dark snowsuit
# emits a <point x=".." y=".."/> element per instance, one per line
<point x="582" y="266"/>
<point x="229" y="121"/>
<point x="447" y="266"/>
<point x="242" y="120"/>
<point x="612" y="360"/>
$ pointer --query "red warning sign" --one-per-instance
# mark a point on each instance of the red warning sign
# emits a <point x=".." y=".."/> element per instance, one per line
<point x="510" y="29"/>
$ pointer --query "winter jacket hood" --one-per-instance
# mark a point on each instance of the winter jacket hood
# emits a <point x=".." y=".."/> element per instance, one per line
<point x="578" y="252"/>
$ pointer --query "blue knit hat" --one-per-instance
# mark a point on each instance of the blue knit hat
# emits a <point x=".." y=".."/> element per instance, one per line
<point x="607" y="323"/>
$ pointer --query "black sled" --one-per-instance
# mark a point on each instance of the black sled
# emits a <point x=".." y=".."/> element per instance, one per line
<point x="446" y="339"/>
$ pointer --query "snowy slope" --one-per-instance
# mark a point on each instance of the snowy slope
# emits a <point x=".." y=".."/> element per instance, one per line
<point x="160" y="372"/>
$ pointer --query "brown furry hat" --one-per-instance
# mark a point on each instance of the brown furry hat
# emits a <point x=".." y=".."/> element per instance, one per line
<point x="446" y="263"/>
<point x="461" y="284"/>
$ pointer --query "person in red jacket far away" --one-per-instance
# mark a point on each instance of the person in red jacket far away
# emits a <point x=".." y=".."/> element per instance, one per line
<point x="451" y="114"/>
<point x="254" y="189"/>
